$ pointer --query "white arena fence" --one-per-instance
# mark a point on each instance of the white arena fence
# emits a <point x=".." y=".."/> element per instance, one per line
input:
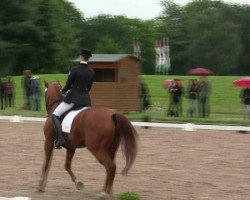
<point x="184" y="126"/>
<point x="15" y="198"/>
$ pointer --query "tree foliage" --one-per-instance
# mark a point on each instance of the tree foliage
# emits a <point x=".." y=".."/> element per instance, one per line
<point x="41" y="35"/>
<point x="45" y="35"/>
<point x="122" y="31"/>
<point x="208" y="33"/>
<point x="108" y="45"/>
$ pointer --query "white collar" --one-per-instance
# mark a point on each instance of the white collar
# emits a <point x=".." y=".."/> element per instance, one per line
<point x="83" y="62"/>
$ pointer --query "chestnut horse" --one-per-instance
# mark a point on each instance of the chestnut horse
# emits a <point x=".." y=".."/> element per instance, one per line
<point x="98" y="129"/>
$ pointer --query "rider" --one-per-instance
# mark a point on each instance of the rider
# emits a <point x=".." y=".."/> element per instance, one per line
<point x="76" y="92"/>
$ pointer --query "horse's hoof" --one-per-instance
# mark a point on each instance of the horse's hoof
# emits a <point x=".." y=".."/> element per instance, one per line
<point x="104" y="195"/>
<point x="79" y="185"/>
<point x="39" y="189"/>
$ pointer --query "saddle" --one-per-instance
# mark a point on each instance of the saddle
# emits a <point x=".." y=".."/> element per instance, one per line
<point x="68" y="117"/>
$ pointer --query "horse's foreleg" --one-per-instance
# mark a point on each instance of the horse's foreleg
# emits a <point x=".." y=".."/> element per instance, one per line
<point x="69" y="156"/>
<point x="48" y="147"/>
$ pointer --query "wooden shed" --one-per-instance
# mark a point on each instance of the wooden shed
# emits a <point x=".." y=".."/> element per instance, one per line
<point x="117" y="81"/>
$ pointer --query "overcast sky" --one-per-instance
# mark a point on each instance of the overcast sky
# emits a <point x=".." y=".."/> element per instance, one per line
<point x="143" y="9"/>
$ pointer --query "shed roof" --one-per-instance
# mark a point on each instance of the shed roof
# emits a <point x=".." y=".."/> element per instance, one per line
<point x="107" y="57"/>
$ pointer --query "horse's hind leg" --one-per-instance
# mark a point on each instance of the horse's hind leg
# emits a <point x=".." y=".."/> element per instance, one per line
<point x="69" y="156"/>
<point x="48" y="147"/>
<point x="104" y="158"/>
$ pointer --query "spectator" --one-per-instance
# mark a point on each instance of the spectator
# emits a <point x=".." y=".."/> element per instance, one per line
<point x="9" y="90"/>
<point x="245" y="99"/>
<point x="192" y="92"/>
<point x="36" y="93"/>
<point x="145" y="101"/>
<point x="2" y="93"/>
<point x="204" y="94"/>
<point x="170" y="111"/>
<point x="26" y="84"/>
<point x="5" y="94"/>
<point x="175" y="106"/>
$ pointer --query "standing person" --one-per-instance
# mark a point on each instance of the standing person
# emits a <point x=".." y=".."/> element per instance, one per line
<point x="2" y="93"/>
<point x="26" y="84"/>
<point x="245" y="99"/>
<point x="9" y="90"/>
<point x="77" y="89"/>
<point x="204" y="94"/>
<point x="169" y="86"/>
<point x="176" y="93"/>
<point x="36" y="93"/>
<point x="180" y="85"/>
<point x="5" y="93"/>
<point x="192" y="92"/>
<point x="145" y="101"/>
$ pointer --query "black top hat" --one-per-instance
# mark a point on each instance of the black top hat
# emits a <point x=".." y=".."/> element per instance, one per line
<point x="86" y="53"/>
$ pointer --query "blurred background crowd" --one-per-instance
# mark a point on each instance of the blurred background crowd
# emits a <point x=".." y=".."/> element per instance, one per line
<point x="31" y="91"/>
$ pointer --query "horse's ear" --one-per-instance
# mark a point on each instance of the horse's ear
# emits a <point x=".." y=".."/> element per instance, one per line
<point x="46" y="84"/>
<point x="59" y="83"/>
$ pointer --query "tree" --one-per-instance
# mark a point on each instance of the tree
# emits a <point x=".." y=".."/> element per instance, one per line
<point x="122" y="31"/>
<point x="17" y="33"/>
<point x="33" y="35"/>
<point x="68" y="33"/>
<point x="107" y="45"/>
<point x="202" y="33"/>
<point x="46" y="45"/>
<point x="241" y="16"/>
<point x="172" y="25"/>
<point x="214" y="38"/>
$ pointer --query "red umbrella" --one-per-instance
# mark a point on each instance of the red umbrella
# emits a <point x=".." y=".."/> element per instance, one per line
<point x="243" y="82"/>
<point x="200" y="71"/>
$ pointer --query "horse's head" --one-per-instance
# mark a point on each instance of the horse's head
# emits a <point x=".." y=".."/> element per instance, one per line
<point x="53" y="95"/>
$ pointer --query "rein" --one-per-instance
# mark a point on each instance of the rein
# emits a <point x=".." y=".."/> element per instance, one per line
<point x="57" y="101"/>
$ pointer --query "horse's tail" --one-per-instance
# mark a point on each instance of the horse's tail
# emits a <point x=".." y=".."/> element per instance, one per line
<point x="128" y="137"/>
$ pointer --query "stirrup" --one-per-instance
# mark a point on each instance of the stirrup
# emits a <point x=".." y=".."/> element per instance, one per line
<point x="55" y="147"/>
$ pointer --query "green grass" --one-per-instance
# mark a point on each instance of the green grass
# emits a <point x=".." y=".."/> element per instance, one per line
<point x="128" y="196"/>
<point x="224" y="101"/>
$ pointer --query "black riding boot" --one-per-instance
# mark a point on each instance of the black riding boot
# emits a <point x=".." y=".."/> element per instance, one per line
<point x="58" y="128"/>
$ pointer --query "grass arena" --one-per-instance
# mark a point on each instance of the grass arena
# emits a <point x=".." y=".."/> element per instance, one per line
<point x="171" y="164"/>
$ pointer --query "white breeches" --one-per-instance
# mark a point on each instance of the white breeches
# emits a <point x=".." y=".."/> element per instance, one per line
<point x="62" y="108"/>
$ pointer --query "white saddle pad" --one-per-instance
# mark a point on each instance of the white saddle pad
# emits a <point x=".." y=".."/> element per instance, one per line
<point x="68" y="119"/>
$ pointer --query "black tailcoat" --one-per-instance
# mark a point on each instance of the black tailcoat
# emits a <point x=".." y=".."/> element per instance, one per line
<point x="78" y="85"/>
